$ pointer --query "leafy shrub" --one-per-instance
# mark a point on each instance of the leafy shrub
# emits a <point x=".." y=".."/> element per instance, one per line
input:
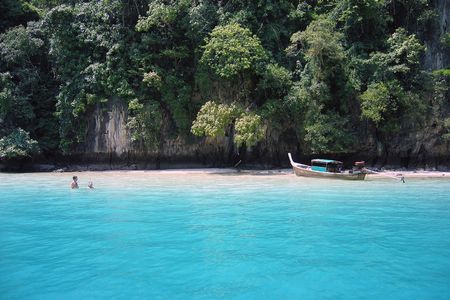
<point x="402" y="59"/>
<point x="213" y="119"/>
<point x="152" y="79"/>
<point x="321" y="46"/>
<point x="387" y="104"/>
<point x="17" y="144"/>
<point x="328" y="134"/>
<point x="376" y="101"/>
<point x="144" y="123"/>
<point x="232" y="49"/>
<point x="160" y="13"/>
<point x="275" y="80"/>
<point x="249" y="130"/>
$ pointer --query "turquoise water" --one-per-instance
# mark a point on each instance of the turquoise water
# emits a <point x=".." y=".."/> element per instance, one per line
<point x="174" y="236"/>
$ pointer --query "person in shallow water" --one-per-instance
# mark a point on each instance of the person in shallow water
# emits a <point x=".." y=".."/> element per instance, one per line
<point x="74" y="184"/>
<point x="90" y="185"/>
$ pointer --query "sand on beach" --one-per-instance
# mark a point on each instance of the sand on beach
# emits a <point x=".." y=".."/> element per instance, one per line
<point x="278" y="172"/>
<point x="385" y="174"/>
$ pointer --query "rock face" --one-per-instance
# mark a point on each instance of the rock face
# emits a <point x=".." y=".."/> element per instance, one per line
<point x="107" y="130"/>
<point x="108" y="146"/>
<point x="107" y="141"/>
<point x="436" y="57"/>
<point x="425" y="147"/>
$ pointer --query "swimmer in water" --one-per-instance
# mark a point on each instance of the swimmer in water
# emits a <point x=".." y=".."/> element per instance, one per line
<point x="90" y="185"/>
<point x="74" y="184"/>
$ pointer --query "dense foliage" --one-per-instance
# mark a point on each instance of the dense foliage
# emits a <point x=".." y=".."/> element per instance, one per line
<point x="231" y="50"/>
<point x="17" y="144"/>
<point x="216" y="68"/>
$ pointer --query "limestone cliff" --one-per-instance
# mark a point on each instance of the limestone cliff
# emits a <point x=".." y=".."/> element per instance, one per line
<point x="436" y="56"/>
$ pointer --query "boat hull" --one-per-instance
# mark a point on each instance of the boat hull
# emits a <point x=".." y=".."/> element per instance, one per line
<point x="306" y="172"/>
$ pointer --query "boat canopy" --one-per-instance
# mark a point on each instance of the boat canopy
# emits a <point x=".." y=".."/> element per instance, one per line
<point x="326" y="165"/>
<point x="325" y="161"/>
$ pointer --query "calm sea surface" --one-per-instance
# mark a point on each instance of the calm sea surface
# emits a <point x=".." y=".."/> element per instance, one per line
<point x="174" y="236"/>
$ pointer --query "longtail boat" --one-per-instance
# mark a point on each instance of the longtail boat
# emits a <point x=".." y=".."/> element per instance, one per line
<point x="327" y="168"/>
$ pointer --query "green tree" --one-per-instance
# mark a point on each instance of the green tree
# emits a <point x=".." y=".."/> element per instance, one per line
<point x="446" y="44"/>
<point x="27" y="89"/>
<point x="213" y="119"/>
<point x="401" y="61"/>
<point x="161" y="13"/>
<point x="17" y="144"/>
<point x="231" y="50"/>
<point x="249" y="129"/>
<point x="363" y="22"/>
<point x="275" y="81"/>
<point x="216" y="120"/>
<point x="396" y="84"/>
<point x="388" y="104"/>
<point x="167" y="47"/>
<point x="14" y="13"/>
<point x="15" y="108"/>
<point x="324" y="93"/>
<point x="145" y="123"/>
<point x="85" y="44"/>
<point x="328" y="134"/>
<point x="376" y="101"/>
<point x="321" y="46"/>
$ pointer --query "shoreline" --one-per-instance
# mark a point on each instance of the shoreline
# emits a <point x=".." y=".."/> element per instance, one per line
<point x="230" y="171"/>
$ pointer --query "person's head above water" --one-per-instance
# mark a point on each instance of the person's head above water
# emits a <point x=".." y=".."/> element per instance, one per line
<point x="74" y="184"/>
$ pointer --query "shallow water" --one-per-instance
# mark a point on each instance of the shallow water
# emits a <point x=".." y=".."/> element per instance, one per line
<point x="175" y="236"/>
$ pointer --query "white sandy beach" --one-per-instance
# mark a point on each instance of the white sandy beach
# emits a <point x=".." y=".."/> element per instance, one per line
<point x="278" y="172"/>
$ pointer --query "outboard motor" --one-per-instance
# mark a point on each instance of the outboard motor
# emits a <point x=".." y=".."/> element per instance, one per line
<point x="359" y="166"/>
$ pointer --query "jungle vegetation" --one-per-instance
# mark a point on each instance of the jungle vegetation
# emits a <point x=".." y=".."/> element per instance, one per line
<point x="318" y="67"/>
